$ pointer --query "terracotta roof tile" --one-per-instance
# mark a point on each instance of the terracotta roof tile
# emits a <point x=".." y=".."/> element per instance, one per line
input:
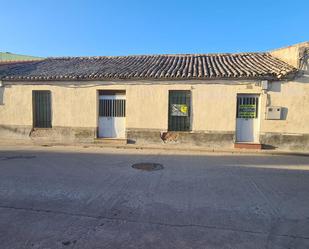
<point x="187" y="66"/>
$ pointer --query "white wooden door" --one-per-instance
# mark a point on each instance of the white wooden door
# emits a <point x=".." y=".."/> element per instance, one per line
<point x="112" y="120"/>
<point x="247" y="118"/>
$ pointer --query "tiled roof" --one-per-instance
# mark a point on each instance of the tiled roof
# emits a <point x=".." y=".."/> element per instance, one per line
<point x="187" y="66"/>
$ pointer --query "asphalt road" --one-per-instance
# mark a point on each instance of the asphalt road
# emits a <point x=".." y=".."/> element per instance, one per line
<point x="52" y="199"/>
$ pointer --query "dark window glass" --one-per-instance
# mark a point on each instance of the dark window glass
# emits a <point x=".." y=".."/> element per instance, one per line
<point x="112" y="108"/>
<point x="247" y="107"/>
<point x="41" y="109"/>
<point x="179" y="118"/>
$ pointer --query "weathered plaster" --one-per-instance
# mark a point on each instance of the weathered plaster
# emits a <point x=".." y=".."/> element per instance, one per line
<point x="74" y="106"/>
<point x="213" y="108"/>
<point x="295" y="142"/>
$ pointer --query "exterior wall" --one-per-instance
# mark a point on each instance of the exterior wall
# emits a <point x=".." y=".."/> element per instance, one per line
<point x="291" y="133"/>
<point x="75" y="112"/>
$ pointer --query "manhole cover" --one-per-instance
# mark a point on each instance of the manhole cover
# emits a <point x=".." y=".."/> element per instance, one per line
<point x="147" y="166"/>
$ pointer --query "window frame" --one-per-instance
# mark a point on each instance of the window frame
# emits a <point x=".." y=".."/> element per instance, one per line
<point x="182" y="121"/>
<point x="37" y="124"/>
<point x="250" y="99"/>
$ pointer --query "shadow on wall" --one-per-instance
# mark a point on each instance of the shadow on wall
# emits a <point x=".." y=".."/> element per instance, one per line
<point x="1" y="95"/>
<point x="6" y="129"/>
<point x="304" y="65"/>
<point x="284" y="113"/>
<point x="269" y="147"/>
<point x="275" y="87"/>
<point x="304" y="59"/>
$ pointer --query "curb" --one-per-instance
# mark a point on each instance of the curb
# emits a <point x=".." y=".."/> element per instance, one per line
<point x="206" y="150"/>
<point x="158" y="148"/>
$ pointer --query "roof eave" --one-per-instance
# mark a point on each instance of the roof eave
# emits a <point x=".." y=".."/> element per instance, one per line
<point x="58" y="79"/>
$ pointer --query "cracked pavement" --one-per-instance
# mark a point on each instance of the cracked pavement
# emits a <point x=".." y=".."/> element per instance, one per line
<point x="79" y="199"/>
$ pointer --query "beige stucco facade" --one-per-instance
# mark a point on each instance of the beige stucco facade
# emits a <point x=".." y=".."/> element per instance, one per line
<point x="147" y="102"/>
<point x="75" y="109"/>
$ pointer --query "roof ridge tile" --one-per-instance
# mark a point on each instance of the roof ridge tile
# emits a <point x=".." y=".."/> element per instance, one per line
<point x="255" y="65"/>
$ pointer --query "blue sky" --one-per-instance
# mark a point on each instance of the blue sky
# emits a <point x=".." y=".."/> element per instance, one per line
<point x="90" y="27"/>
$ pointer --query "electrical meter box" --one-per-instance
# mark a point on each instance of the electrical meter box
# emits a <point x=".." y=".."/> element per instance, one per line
<point x="273" y="112"/>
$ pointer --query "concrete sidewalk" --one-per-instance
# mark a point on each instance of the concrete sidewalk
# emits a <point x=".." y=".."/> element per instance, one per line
<point x="146" y="148"/>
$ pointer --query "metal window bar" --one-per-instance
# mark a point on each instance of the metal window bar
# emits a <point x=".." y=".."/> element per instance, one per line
<point x="179" y="123"/>
<point x="41" y="109"/>
<point x="256" y="107"/>
<point x="112" y="108"/>
<point x="247" y="101"/>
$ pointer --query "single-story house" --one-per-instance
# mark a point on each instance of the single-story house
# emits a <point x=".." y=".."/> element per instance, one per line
<point x="212" y="100"/>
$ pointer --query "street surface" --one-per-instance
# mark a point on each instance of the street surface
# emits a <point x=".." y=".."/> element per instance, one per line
<point x="64" y="199"/>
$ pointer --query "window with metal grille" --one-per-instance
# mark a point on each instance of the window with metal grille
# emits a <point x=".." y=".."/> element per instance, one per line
<point x="41" y="109"/>
<point x="179" y="118"/>
<point x="112" y="108"/>
<point x="247" y="107"/>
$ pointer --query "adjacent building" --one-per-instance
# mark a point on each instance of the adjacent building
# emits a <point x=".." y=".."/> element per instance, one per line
<point x="212" y="100"/>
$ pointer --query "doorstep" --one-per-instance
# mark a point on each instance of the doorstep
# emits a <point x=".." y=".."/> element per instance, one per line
<point x="115" y="141"/>
<point x="254" y="146"/>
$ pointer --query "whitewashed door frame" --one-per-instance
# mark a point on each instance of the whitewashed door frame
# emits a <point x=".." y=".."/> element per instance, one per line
<point x="248" y="129"/>
<point x="111" y="125"/>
